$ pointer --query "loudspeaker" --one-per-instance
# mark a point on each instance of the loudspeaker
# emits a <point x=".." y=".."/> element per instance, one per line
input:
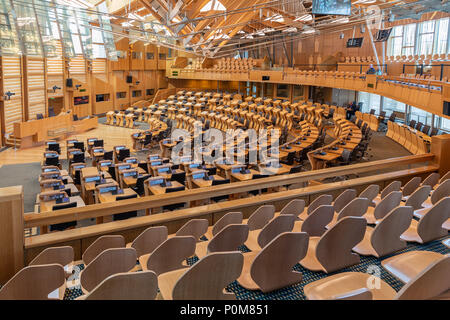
<point x="69" y="82"/>
<point x="446" y="108"/>
<point x="129" y="79"/>
<point x="265" y="78"/>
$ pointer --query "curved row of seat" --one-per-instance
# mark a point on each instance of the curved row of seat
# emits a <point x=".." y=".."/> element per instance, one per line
<point x="413" y="140"/>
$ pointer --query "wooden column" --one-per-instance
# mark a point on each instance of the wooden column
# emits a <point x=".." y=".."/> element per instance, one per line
<point x="11" y="232"/>
<point x="440" y="147"/>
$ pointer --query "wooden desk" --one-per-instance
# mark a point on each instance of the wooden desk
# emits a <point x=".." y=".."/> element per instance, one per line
<point x="34" y="132"/>
<point x="156" y="190"/>
<point x="201" y="183"/>
<point x="243" y="176"/>
<point x="45" y="206"/>
<point x="73" y="189"/>
<point x="168" y="175"/>
<point x="284" y="169"/>
<point x="109" y="197"/>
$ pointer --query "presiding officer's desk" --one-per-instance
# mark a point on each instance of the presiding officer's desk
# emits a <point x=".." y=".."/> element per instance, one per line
<point x="36" y="132"/>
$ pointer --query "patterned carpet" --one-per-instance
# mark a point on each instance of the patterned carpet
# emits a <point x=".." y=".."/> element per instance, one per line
<point x="295" y="292"/>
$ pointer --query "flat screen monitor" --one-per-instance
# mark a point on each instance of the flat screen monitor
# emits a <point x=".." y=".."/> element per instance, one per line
<point x="156" y="182"/>
<point x="334" y="7"/>
<point x="382" y="35"/>
<point x="108" y="189"/>
<point x="354" y="42"/>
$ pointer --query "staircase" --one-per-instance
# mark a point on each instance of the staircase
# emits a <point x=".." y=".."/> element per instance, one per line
<point x="10" y="142"/>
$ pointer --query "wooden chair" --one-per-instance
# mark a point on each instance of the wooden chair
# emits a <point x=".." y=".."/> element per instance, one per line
<point x="260" y="217"/>
<point x="430" y="226"/>
<point x="199" y="282"/>
<point x="410" y="187"/>
<point x="333" y="250"/>
<point x="194" y="227"/>
<point x="149" y="240"/>
<point x="37" y="282"/>
<point x="229" y="218"/>
<point x="385" y="206"/>
<point x="370" y="193"/>
<point x="315" y="222"/>
<point x="294" y="207"/>
<point x="418" y="197"/>
<point x="169" y="255"/>
<point x="125" y="286"/>
<point x="393" y="186"/>
<point x="406" y="266"/>
<point x="324" y="199"/>
<point x="271" y="268"/>
<point x="385" y="238"/>
<point x="109" y="262"/>
<point x="343" y="199"/>
<point x="355" y="208"/>
<point x="430" y="283"/>
<point x="445" y="177"/>
<point x="229" y="238"/>
<point x="442" y="191"/>
<point x="431" y="180"/>
<point x="60" y="255"/>
<point x="101" y="244"/>
<point x="258" y="239"/>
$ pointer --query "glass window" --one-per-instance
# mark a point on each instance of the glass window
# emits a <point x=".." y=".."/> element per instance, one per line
<point x="162" y="56"/>
<point x="298" y="91"/>
<point x="97" y="36"/>
<point x="76" y="44"/>
<point x="121" y="95"/>
<point x="136" y="93"/>
<point x="369" y="101"/>
<point x="445" y="124"/>
<point x="420" y="116"/>
<point x="150" y="55"/>
<point x="136" y="55"/>
<point x="283" y="90"/>
<point x="121" y="54"/>
<point x="441" y="36"/>
<point x="409" y="37"/>
<point x="150" y="92"/>
<point x="102" y="97"/>
<point x="395" y="41"/>
<point x="426" y="35"/>
<point x="99" y="50"/>
<point x="268" y="90"/>
<point x="391" y="106"/>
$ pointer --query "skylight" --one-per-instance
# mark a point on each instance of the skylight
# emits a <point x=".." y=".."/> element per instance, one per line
<point x="213" y="5"/>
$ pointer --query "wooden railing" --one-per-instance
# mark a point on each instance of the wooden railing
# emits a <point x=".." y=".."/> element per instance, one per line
<point x="157" y="201"/>
<point x="80" y="238"/>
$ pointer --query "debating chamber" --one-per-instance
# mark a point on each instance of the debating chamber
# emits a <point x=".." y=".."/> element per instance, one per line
<point x="225" y="150"/>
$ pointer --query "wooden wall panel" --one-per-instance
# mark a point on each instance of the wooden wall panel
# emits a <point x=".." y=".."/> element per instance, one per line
<point x="13" y="110"/>
<point x="101" y="85"/>
<point x="36" y="87"/>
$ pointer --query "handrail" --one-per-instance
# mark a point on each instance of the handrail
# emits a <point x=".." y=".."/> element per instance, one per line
<point x="156" y="201"/>
<point x="210" y="209"/>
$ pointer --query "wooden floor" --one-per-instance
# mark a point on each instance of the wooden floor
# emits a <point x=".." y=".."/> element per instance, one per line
<point x="111" y="135"/>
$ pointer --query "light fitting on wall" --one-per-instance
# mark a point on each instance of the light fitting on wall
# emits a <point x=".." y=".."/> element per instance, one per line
<point x="77" y="86"/>
<point x="8" y="95"/>
<point x="137" y="82"/>
<point x="55" y="88"/>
